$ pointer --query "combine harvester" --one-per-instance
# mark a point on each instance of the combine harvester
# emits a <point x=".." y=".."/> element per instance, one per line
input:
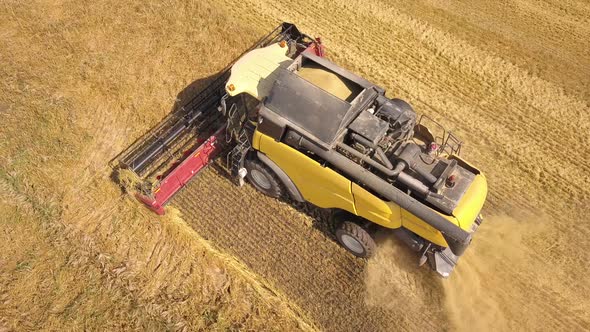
<point x="299" y="127"/>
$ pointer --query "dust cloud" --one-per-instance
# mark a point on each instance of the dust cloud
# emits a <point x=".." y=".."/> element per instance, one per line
<point x="393" y="278"/>
<point x="501" y="283"/>
<point x="481" y="294"/>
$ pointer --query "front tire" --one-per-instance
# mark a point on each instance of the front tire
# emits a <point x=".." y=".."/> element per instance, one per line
<point x="264" y="179"/>
<point x="355" y="239"/>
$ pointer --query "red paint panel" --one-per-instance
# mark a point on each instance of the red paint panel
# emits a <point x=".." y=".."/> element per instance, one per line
<point x="184" y="172"/>
<point x="317" y="48"/>
<point x="151" y="204"/>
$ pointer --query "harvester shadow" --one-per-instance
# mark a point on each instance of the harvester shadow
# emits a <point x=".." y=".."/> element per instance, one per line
<point x="321" y="218"/>
<point x="191" y="91"/>
<point x="178" y="110"/>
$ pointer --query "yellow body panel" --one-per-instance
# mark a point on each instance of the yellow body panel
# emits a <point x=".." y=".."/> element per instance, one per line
<point x="470" y="205"/>
<point x="319" y="185"/>
<point x="463" y="216"/>
<point x="326" y="188"/>
<point x="421" y="228"/>
<point x="370" y="207"/>
<point x="256" y="71"/>
<point x="256" y="140"/>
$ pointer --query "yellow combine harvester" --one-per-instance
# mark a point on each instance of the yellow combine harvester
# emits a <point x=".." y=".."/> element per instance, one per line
<point x="298" y="126"/>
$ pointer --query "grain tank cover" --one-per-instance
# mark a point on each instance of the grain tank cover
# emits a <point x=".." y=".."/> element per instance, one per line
<point x="307" y="106"/>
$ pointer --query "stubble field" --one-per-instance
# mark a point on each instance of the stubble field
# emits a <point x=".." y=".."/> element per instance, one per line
<point x="82" y="81"/>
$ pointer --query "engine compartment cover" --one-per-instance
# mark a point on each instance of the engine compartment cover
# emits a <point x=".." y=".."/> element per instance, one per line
<point x="369" y="126"/>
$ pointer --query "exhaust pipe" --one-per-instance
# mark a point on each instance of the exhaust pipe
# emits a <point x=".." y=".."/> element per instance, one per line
<point x="405" y="157"/>
<point x="380" y="154"/>
<point x="397" y="172"/>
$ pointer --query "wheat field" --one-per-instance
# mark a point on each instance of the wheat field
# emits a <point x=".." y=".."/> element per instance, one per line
<point x="80" y="81"/>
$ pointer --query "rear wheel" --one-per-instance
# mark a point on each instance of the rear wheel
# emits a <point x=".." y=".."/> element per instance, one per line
<point x="264" y="179"/>
<point x="355" y="238"/>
